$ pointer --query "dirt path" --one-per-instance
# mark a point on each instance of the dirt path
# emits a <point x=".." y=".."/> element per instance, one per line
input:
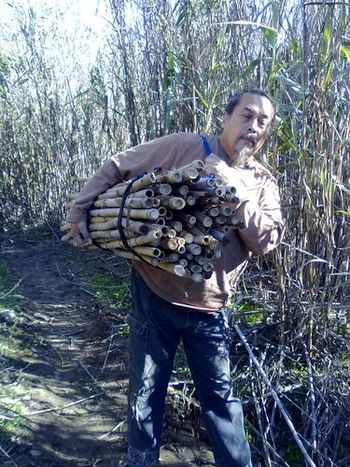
<point x="77" y="389"/>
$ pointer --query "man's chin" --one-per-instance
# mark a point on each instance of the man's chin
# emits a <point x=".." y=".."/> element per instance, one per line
<point x="243" y="155"/>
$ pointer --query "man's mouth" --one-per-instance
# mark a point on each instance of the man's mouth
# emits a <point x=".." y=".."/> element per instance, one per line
<point x="249" y="139"/>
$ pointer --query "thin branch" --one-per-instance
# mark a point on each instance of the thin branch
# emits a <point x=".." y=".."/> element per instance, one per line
<point x="56" y="409"/>
<point x="276" y="398"/>
<point x="11" y="290"/>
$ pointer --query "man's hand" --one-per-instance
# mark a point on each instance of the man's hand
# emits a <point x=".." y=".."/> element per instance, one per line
<point x="80" y="233"/>
<point x="237" y="177"/>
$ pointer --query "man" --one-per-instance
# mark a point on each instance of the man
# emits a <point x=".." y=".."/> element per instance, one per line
<point x="166" y="307"/>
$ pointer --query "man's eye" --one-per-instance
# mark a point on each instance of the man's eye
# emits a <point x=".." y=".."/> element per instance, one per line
<point x="247" y="116"/>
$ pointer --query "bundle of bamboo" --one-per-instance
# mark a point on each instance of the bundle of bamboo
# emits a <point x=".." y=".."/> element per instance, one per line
<point x="175" y="220"/>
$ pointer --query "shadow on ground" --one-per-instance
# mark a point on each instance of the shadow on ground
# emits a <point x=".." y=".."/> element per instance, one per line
<point x="73" y="362"/>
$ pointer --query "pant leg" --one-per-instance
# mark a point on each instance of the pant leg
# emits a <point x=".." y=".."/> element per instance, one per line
<point x="206" y="345"/>
<point x="152" y="345"/>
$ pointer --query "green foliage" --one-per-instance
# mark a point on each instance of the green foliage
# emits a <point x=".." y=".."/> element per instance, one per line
<point x="292" y="455"/>
<point x="108" y="289"/>
<point x="345" y="50"/>
<point x="5" y="277"/>
<point x="7" y="299"/>
<point x="12" y="406"/>
<point x="12" y="403"/>
<point x="247" y="311"/>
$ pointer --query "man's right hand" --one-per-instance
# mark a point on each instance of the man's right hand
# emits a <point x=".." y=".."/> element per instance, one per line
<point x="80" y="233"/>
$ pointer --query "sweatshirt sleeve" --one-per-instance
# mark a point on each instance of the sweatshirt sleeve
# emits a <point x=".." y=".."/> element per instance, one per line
<point x="105" y="177"/>
<point x="124" y="166"/>
<point x="264" y="227"/>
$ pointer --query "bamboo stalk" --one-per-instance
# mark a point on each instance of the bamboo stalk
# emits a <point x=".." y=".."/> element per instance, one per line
<point x="162" y="189"/>
<point x="214" y="211"/>
<point x="140" y="240"/>
<point x="146" y="193"/>
<point x="187" y="236"/>
<point x="150" y="251"/>
<point x="171" y="176"/>
<point x="134" y="226"/>
<point x="181" y="190"/>
<point x="217" y="234"/>
<point x="187" y="218"/>
<point x="194" y="249"/>
<point x="119" y="189"/>
<point x="196" y="268"/>
<point x="226" y="209"/>
<point x="197" y="164"/>
<point x="237" y="223"/>
<point x="98" y="219"/>
<point x="173" y="202"/>
<point x="181" y="246"/>
<point x="173" y="268"/>
<point x="172" y="257"/>
<point x="110" y="234"/>
<point x="176" y="225"/>
<point x="130" y="202"/>
<point x="201" y="239"/>
<point x="220" y="220"/>
<point x="151" y="214"/>
<point x="197" y="277"/>
<point x="191" y="200"/>
<point x="203" y="218"/>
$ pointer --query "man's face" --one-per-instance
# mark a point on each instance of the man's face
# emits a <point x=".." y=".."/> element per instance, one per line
<point x="245" y="129"/>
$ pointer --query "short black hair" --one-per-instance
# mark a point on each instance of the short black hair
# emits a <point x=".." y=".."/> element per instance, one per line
<point x="235" y="99"/>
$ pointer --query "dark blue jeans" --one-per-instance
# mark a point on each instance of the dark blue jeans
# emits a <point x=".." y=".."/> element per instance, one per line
<point x="156" y="327"/>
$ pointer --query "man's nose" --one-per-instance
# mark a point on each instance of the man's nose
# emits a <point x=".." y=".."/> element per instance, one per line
<point x="253" y="126"/>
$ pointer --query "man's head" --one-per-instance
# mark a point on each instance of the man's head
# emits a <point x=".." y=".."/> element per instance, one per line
<point x="247" y="120"/>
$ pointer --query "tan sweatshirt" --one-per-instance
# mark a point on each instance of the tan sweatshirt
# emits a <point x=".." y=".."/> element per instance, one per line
<point x="259" y="207"/>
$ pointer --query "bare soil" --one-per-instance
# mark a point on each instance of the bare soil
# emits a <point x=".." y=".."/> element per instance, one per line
<point x="74" y="363"/>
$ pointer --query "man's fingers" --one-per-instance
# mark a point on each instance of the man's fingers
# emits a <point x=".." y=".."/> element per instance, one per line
<point x="84" y="230"/>
<point x="80" y="232"/>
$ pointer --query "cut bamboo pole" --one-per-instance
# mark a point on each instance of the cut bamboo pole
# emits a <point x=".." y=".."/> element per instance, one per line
<point x="165" y="220"/>
<point x="173" y="268"/>
<point x="173" y="202"/>
<point x="194" y="249"/>
<point x="151" y="214"/>
<point x="187" y="236"/>
<point x="203" y="218"/>
<point x="116" y="203"/>
<point x="150" y="251"/>
<point x="181" y="190"/>
<point x="188" y="219"/>
<point x="171" y="176"/>
<point x="140" y="240"/>
<point x="176" y="225"/>
<point x="146" y="193"/>
<point x="196" y="164"/>
<point x="162" y="189"/>
<point x="132" y="225"/>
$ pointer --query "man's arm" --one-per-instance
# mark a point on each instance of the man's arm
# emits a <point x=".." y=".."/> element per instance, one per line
<point x="104" y="178"/>
<point x="263" y="222"/>
<point x="123" y="166"/>
<point x="262" y="216"/>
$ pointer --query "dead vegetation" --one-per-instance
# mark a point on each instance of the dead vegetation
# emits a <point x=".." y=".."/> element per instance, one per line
<point x="293" y="307"/>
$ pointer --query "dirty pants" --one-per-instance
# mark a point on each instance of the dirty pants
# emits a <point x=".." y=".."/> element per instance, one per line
<point x="156" y="327"/>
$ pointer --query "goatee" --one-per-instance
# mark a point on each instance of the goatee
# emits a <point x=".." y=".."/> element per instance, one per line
<point x="242" y="156"/>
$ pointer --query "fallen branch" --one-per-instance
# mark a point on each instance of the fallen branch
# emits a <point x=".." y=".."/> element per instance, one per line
<point x="65" y="406"/>
<point x="278" y="401"/>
